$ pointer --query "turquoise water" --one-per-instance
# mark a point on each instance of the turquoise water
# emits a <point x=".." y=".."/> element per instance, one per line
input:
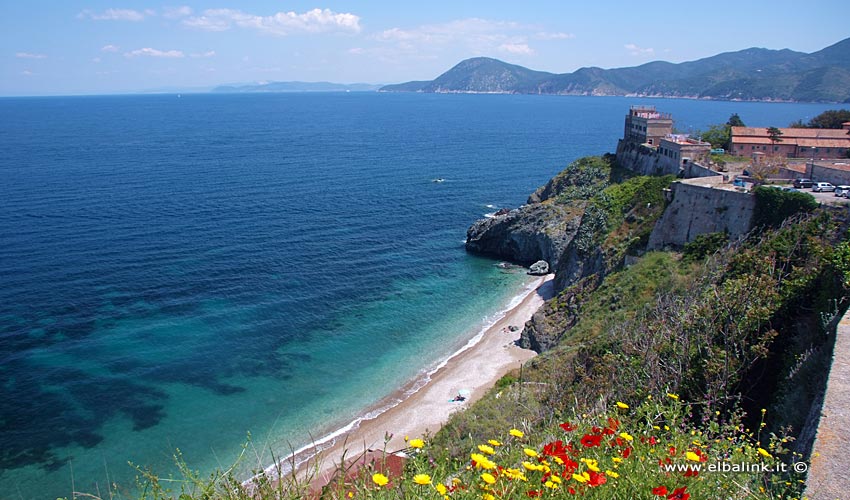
<point x="179" y="272"/>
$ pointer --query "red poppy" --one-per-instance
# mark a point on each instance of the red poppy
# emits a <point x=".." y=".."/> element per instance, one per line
<point x="679" y="494"/>
<point x="596" y="479"/>
<point x="671" y="450"/>
<point x="691" y="473"/>
<point x="652" y="440"/>
<point x="659" y="491"/>
<point x="589" y="441"/>
<point x="613" y="423"/>
<point x="572" y="490"/>
<point x="568" y="427"/>
<point x="534" y="493"/>
<point x="626" y="452"/>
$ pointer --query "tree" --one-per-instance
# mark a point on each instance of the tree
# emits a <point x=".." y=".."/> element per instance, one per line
<point x="833" y="118"/>
<point x="735" y="121"/>
<point x="764" y="167"/>
<point x="774" y="134"/>
<point x="718" y="135"/>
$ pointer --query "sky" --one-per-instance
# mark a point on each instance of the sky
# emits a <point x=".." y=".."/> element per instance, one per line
<point x="65" y="47"/>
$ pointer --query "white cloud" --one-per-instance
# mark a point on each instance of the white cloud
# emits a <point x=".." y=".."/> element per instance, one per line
<point x="281" y="23"/>
<point x="209" y="53"/>
<point x="109" y="48"/>
<point x="516" y="48"/>
<point x="543" y="35"/>
<point x="356" y="50"/>
<point x="638" y="51"/>
<point x="27" y="72"/>
<point x="147" y="51"/>
<point x="29" y="55"/>
<point x="116" y="15"/>
<point x="96" y="60"/>
<point x="176" y="12"/>
<point x="470" y="30"/>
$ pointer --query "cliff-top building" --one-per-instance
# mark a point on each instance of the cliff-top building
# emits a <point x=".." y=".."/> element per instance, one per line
<point x="794" y="143"/>
<point x="645" y="125"/>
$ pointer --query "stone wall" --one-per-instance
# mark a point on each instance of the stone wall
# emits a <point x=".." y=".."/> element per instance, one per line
<point x="823" y="173"/>
<point x="698" y="208"/>
<point x="643" y="160"/>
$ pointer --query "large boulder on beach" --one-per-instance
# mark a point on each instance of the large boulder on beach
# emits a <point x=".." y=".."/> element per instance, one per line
<point x="527" y="234"/>
<point x="539" y="268"/>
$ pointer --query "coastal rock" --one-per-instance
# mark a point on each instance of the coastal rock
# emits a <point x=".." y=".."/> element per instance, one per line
<point x="539" y="268"/>
<point x="552" y="321"/>
<point x="528" y="234"/>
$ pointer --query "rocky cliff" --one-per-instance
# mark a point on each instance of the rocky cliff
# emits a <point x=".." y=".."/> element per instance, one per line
<point x="583" y="223"/>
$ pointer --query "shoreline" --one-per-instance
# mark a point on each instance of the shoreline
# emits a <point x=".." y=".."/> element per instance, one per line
<point x="423" y="405"/>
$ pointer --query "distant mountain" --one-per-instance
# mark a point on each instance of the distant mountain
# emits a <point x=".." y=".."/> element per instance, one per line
<point x="750" y="74"/>
<point x="298" y="87"/>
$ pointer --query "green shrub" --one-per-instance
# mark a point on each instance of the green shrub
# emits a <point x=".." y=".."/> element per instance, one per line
<point x="774" y="205"/>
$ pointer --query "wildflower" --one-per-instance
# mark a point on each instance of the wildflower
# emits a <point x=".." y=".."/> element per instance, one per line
<point x="488" y="478"/>
<point x="612" y="474"/>
<point x="422" y="479"/>
<point x="674" y="397"/>
<point x="626" y="436"/>
<point x="493" y="442"/>
<point x="616" y="460"/>
<point x="534" y="493"/>
<point x="596" y="479"/>
<point x="693" y="457"/>
<point x="535" y="467"/>
<point x="515" y="474"/>
<point x="568" y="427"/>
<point x="582" y="478"/>
<point x="483" y="448"/>
<point x="479" y="460"/>
<point x="441" y="488"/>
<point x="416" y="443"/>
<point x="531" y="453"/>
<point x="380" y="479"/>
<point x="487" y="496"/>
<point x="550" y="485"/>
<point x="589" y="441"/>
<point x="679" y="494"/>
<point x="622" y="406"/>
<point x="516" y="433"/>
<point x="659" y="491"/>
<point x="764" y="453"/>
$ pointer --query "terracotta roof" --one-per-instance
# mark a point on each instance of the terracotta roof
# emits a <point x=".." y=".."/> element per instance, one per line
<point x="824" y="143"/>
<point x="791" y="133"/>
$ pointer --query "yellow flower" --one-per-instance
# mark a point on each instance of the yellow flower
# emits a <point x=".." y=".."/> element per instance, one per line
<point x="487" y="496"/>
<point x="441" y="488"/>
<point x="494" y="442"/>
<point x="482" y="461"/>
<point x="555" y="479"/>
<point x="515" y="474"/>
<point x="693" y="457"/>
<point x="531" y="466"/>
<point x="582" y="478"/>
<point x="612" y="474"/>
<point x="764" y="453"/>
<point x="422" y="479"/>
<point x="486" y="449"/>
<point x="591" y="464"/>
<point x="380" y="479"/>
<point x="531" y="453"/>
<point x="488" y="478"/>
<point x="516" y="433"/>
<point x="626" y="436"/>
<point x="550" y="484"/>
<point x="416" y="443"/>
<point x="622" y="405"/>
<point x="674" y="397"/>
<point x="616" y="460"/>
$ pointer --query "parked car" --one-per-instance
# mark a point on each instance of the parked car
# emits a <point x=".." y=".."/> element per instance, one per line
<point x="842" y="190"/>
<point x="823" y="187"/>
<point x="802" y="183"/>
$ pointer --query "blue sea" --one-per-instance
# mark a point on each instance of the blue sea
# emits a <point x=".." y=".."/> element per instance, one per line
<point x="177" y="272"/>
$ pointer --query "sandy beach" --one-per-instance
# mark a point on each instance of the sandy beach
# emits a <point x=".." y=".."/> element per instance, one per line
<point x="475" y="369"/>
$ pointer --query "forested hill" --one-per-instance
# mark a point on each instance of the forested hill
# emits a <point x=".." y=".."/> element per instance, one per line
<point x="749" y="74"/>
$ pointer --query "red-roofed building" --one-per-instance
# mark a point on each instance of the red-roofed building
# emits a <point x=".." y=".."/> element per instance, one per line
<point x="795" y="142"/>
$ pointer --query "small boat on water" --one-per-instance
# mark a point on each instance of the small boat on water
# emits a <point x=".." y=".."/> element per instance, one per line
<point x="438" y="179"/>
